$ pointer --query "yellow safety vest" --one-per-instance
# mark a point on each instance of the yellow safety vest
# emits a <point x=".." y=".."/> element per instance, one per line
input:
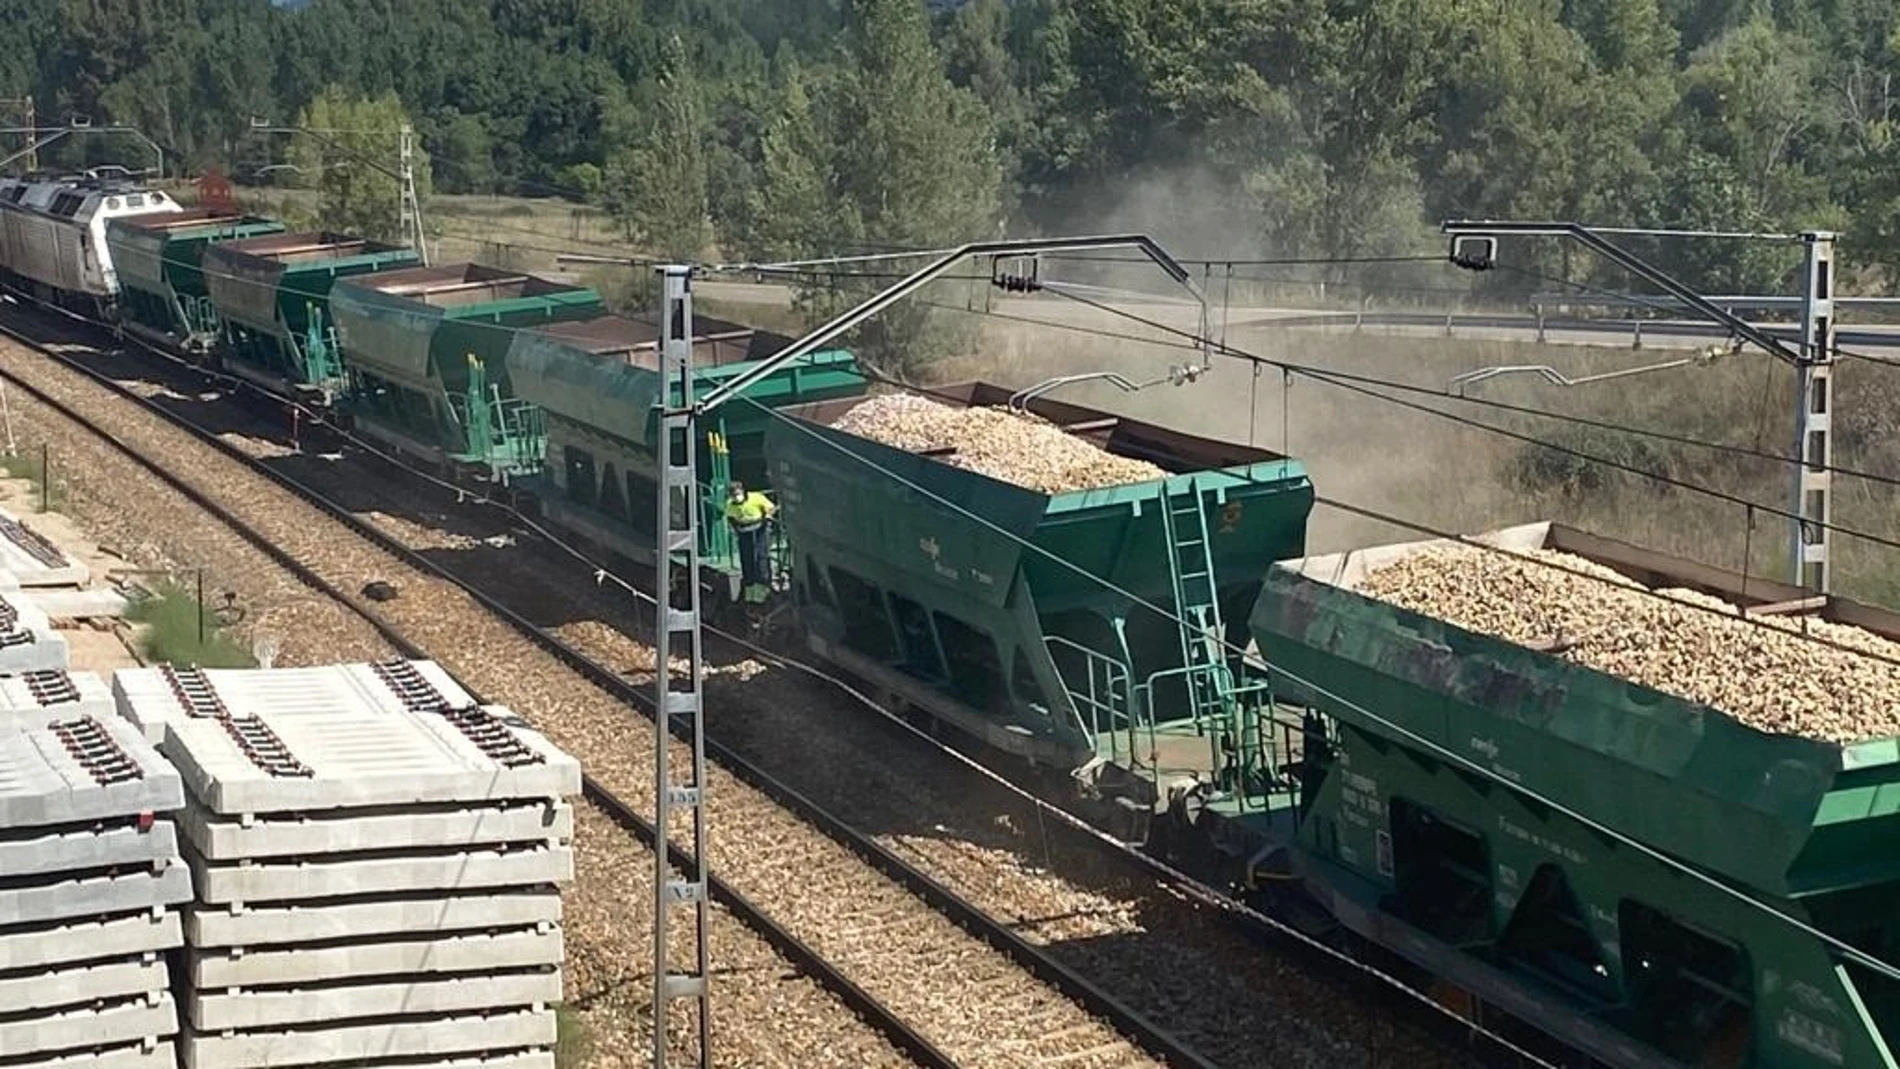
<point x="750" y="511"/>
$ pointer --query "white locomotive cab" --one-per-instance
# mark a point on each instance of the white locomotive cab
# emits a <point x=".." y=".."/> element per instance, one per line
<point x="94" y="252"/>
<point x="53" y="232"/>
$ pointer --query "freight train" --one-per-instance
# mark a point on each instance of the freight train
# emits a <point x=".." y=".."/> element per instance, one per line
<point x="1605" y="873"/>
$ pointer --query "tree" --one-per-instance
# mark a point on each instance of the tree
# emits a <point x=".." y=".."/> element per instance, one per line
<point x="915" y="163"/>
<point x="919" y="165"/>
<point x="656" y="186"/>
<point x="354" y="169"/>
<point x="793" y="209"/>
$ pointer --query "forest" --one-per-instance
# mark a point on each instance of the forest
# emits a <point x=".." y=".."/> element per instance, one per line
<point x="1286" y="128"/>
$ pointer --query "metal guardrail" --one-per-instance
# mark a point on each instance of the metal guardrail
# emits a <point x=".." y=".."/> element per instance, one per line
<point x="1731" y="302"/>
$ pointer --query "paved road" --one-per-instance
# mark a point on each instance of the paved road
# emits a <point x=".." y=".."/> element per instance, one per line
<point x="1876" y="340"/>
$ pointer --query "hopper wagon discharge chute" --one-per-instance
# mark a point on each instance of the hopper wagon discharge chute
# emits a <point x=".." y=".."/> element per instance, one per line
<point x="427" y="348"/>
<point x="597" y="383"/>
<point x="962" y="622"/>
<point x="1655" y="819"/>
<point x="272" y="295"/>
<point x="164" y="296"/>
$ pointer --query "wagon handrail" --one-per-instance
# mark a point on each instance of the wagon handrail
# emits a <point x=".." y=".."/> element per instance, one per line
<point x="1113" y="671"/>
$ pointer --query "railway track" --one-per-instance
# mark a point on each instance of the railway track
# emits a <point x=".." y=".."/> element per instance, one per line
<point x="895" y="945"/>
<point x="1236" y="993"/>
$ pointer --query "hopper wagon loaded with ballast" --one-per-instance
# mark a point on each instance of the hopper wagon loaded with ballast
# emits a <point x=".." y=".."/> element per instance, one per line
<point x="1626" y="810"/>
<point x="904" y="514"/>
<point x="1648" y="805"/>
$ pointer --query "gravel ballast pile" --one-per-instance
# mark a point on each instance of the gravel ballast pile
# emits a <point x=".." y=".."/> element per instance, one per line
<point x="1025" y="450"/>
<point x="1765" y="671"/>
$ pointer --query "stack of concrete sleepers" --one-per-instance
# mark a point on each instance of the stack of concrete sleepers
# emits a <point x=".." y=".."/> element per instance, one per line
<point x="28" y="642"/>
<point x="88" y="903"/>
<point x="33" y="560"/>
<point x="55" y="692"/>
<point x="148" y="697"/>
<point x="375" y="858"/>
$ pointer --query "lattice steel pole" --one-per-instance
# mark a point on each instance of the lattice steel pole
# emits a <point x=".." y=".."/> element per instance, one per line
<point x="678" y="697"/>
<point x="1814" y="433"/>
<point x="409" y="208"/>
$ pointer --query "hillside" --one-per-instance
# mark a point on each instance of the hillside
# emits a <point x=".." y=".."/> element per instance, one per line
<point x="1230" y="127"/>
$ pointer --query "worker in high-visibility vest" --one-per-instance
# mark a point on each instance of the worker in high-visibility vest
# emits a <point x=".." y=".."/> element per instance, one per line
<point x="750" y="514"/>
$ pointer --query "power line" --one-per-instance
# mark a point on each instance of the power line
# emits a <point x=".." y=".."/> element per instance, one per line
<point x="1587" y="287"/>
<point x="601" y="574"/>
<point x="1334" y="380"/>
<point x="1314" y="371"/>
<point x="1748" y="901"/>
<point x="1347" y="381"/>
<point x="1344" y="380"/>
<point x="1370" y="386"/>
<point x="1846" y="950"/>
<point x="1284" y="261"/>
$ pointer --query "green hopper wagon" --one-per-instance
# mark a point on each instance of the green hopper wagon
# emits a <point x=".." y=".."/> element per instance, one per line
<point x="1459" y="806"/>
<point x="927" y="594"/>
<point x="597" y="383"/>
<point x="427" y="349"/>
<point x="163" y="293"/>
<point x="273" y="295"/>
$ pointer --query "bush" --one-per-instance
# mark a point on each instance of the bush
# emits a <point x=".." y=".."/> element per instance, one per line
<point x="171" y="618"/>
<point x="1556" y="468"/>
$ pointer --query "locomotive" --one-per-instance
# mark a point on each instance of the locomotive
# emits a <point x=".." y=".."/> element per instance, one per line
<point x="1604" y="873"/>
<point x="53" y="235"/>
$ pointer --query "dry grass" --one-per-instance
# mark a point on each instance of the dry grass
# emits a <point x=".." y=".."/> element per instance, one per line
<point x="1360" y="449"/>
<point x="523" y="233"/>
<point x="519" y="232"/>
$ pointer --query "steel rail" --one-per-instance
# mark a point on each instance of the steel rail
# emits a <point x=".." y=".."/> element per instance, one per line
<point x="1151" y="1036"/>
<point x="806" y="958"/>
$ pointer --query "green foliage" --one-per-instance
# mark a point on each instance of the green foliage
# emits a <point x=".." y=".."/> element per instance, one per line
<point x="791" y="128"/>
<point x="27" y="466"/>
<point x="656" y="186"/>
<point x="171" y="620"/>
<point x="573" y="1042"/>
<point x="885" y="153"/>
<point x="353" y="167"/>
<point x="1564" y="468"/>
